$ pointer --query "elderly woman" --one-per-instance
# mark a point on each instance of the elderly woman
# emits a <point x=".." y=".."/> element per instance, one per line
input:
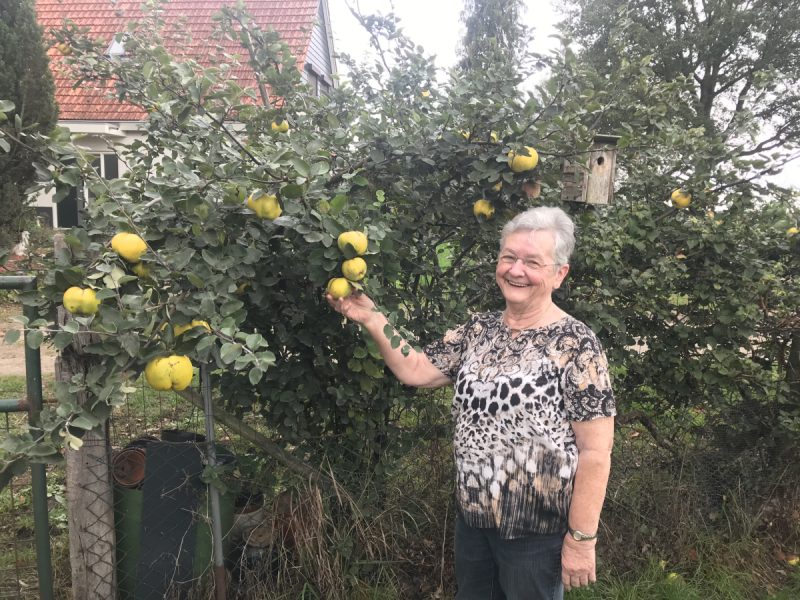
<point x="533" y="411"/>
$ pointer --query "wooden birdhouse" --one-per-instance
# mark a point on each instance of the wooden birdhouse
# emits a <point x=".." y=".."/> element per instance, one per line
<point x="593" y="181"/>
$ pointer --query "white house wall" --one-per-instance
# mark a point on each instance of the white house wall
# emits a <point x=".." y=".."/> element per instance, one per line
<point x="95" y="138"/>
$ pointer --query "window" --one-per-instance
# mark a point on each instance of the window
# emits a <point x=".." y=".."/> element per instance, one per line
<point x="69" y="212"/>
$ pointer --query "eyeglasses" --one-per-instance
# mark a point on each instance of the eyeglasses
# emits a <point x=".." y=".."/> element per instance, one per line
<point x="510" y="260"/>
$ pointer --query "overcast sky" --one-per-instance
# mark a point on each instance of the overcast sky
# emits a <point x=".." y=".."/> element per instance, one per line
<point x="433" y="24"/>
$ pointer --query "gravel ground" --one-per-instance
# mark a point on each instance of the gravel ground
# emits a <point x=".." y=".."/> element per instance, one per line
<point x="12" y="356"/>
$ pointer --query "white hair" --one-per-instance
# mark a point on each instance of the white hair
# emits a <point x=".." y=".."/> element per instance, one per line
<point x="545" y="218"/>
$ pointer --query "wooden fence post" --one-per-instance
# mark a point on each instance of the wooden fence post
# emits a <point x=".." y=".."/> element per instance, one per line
<point x="90" y="497"/>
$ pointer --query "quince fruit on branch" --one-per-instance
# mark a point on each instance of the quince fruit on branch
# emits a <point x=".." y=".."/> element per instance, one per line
<point x="355" y="239"/>
<point x="519" y="162"/>
<point x="129" y="246"/>
<point x="354" y="269"/>
<point x="680" y="198"/>
<point x="483" y="208"/>
<point x="339" y="287"/>
<point x="169" y="373"/>
<point x="264" y="205"/>
<point x="181" y="329"/>
<point x="80" y="301"/>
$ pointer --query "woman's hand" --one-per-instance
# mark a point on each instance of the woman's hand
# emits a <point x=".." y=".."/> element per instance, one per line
<point x="577" y="563"/>
<point x="357" y="306"/>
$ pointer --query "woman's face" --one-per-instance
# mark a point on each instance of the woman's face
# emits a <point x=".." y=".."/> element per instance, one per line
<point x="526" y="273"/>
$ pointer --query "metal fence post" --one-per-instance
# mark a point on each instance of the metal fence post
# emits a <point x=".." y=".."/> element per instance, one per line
<point x="213" y="492"/>
<point x="33" y="377"/>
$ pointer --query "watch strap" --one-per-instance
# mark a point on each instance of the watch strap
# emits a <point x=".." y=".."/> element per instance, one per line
<point x="580" y="536"/>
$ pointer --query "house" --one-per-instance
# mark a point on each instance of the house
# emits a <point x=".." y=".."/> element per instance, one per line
<point x="303" y="24"/>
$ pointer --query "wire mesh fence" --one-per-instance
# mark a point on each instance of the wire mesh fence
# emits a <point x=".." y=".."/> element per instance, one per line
<point x="160" y="477"/>
<point x="273" y="522"/>
<point x="18" y="575"/>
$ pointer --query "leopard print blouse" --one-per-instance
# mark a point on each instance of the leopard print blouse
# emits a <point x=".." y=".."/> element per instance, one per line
<point x="514" y="448"/>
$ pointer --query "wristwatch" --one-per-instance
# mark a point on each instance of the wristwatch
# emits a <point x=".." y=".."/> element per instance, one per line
<point x="579" y="536"/>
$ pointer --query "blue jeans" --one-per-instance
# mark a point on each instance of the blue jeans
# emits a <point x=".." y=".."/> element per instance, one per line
<point x="490" y="568"/>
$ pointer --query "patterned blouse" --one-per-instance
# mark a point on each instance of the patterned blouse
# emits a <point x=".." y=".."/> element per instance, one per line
<point x="514" y="448"/>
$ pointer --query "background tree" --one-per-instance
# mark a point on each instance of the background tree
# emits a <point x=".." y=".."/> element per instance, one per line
<point x="743" y="82"/>
<point x="720" y="98"/>
<point x="494" y="36"/>
<point x="25" y="80"/>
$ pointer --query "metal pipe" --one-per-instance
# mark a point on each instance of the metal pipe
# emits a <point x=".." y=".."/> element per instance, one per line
<point x="11" y="405"/>
<point x="213" y="492"/>
<point x="33" y="378"/>
<point x="17" y="282"/>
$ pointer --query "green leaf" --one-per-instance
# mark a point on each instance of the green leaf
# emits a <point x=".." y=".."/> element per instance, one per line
<point x="319" y="168"/>
<point x="292" y="191"/>
<point x="302" y="167"/>
<point x="12" y="335"/>
<point x="6" y="106"/>
<point x="62" y="339"/>
<point x="11" y="469"/>
<point x="338" y="203"/>
<point x="35" y="338"/>
<point x="130" y="343"/>
<point x="84" y="421"/>
<point x="255" y="375"/>
<point x="313" y="237"/>
<point x="230" y="352"/>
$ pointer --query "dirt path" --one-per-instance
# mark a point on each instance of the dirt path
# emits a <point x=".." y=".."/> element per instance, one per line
<point x="12" y="356"/>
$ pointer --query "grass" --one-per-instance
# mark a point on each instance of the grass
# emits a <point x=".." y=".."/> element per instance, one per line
<point x="706" y="582"/>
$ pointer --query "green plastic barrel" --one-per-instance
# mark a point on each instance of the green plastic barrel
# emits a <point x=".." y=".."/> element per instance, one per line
<point x="128" y="524"/>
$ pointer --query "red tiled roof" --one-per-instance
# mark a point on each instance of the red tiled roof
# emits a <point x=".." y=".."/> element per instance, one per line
<point x="292" y="19"/>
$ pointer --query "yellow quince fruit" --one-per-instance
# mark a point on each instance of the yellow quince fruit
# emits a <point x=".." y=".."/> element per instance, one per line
<point x="355" y="239"/>
<point x="80" y="301"/>
<point x="354" y="269"/>
<point x="520" y="163"/>
<point x="129" y="246"/>
<point x="181" y="329"/>
<point x="483" y="208"/>
<point x="264" y="205"/>
<point x="680" y="198"/>
<point x="792" y="231"/>
<point x="281" y="126"/>
<point x="169" y="373"/>
<point x="339" y="287"/>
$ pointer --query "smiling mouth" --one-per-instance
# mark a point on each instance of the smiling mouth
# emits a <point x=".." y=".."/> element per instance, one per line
<point x="517" y="285"/>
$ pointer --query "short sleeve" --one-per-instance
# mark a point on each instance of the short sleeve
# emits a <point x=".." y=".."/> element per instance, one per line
<point x="586" y="382"/>
<point x="447" y="353"/>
